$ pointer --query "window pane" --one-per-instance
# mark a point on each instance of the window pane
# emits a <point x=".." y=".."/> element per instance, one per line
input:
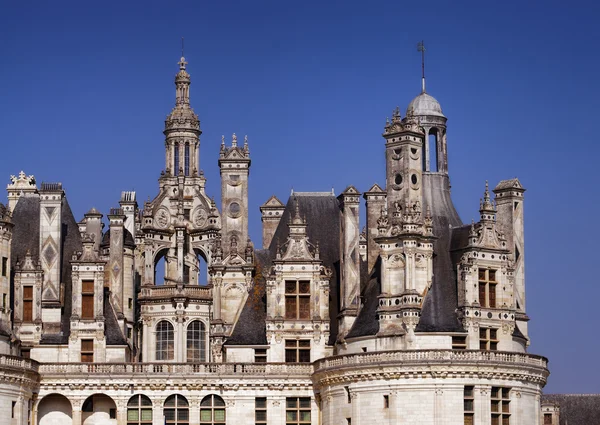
<point x="304" y="310"/>
<point x="290" y="287"/>
<point x="145" y="401"/>
<point x="261" y="403"/>
<point x="206" y="401"/>
<point x="290" y="307"/>
<point x="132" y="415"/>
<point x="291" y="415"/>
<point x="305" y="416"/>
<point x="218" y="401"/>
<point x="304" y="343"/>
<point x="304" y="356"/>
<point x="146" y="414"/>
<point x="182" y="414"/>
<point x="304" y="287"/>
<point x="219" y="415"/>
<point x="305" y="403"/>
<point x="28" y="292"/>
<point x="291" y="402"/>
<point x="170" y="401"/>
<point x="169" y="414"/>
<point x="205" y="415"/>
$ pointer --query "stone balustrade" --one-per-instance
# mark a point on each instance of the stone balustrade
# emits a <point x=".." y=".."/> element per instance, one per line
<point x="18" y="363"/>
<point x="181" y="369"/>
<point x="432" y="356"/>
<point x="168" y="291"/>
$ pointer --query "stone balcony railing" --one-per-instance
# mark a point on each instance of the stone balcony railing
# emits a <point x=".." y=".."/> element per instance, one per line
<point x="212" y="370"/>
<point x="14" y="362"/>
<point x="168" y="291"/>
<point x="430" y="356"/>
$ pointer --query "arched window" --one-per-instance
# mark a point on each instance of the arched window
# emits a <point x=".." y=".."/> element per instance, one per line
<point x="176" y="154"/>
<point x="212" y="410"/>
<point x="165" y="341"/>
<point x="187" y="159"/>
<point x="176" y="410"/>
<point x="433" y="141"/>
<point x="196" y="342"/>
<point x="139" y="410"/>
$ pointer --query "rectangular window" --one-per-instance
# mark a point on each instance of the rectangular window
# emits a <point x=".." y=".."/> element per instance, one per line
<point x="4" y="266"/>
<point x="297" y="350"/>
<point x="297" y="299"/>
<point x="297" y="410"/>
<point x="488" y="339"/>
<point x="547" y="418"/>
<point x="14" y="405"/>
<point x="87" y="299"/>
<point x="469" y="405"/>
<point x="386" y="401"/>
<point x="459" y="342"/>
<point x="87" y="351"/>
<point x="26" y="353"/>
<point x="4" y="301"/>
<point x="487" y="288"/>
<point x="260" y="411"/>
<point x="500" y="406"/>
<point x="112" y="413"/>
<point x="130" y="303"/>
<point x="260" y="355"/>
<point x="27" y="303"/>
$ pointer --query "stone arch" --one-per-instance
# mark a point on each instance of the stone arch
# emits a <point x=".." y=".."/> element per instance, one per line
<point x="54" y="409"/>
<point x="99" y="409"/>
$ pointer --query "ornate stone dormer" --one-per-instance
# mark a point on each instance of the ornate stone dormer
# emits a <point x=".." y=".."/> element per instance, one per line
<point x="27" y="314"/>
<point x="297" y="298"/>
<point x="21" y="185"/>
<point x="486" y="284"/>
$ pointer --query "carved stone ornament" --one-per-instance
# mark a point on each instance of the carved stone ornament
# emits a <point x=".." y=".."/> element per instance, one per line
<point x="162" y="218"/>
<point x="200" y="217"/>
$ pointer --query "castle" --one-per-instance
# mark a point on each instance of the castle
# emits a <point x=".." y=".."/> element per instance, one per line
<point x="173" y="316"/>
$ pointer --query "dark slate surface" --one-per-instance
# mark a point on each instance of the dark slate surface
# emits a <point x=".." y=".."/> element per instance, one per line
<point x="250" y="328"/>
<point x="112" y="330"/>
<point x="366" y="323"/>
<point x="439" y="307"/>
<point x="129" y="241"/>
<point x="576" y="409"/>
<point x="322" y="214"/>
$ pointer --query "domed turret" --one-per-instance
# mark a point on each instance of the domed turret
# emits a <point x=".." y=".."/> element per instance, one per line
<point x="424" y="105"/>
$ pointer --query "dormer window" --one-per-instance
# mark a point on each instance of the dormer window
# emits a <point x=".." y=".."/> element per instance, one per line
<point x="87" y="299"/>
<point x="297" y="299"/>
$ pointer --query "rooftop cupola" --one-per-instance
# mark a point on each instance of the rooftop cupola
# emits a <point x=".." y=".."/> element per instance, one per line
<point x="428" y="111"/>
<point x="182" y="130"/>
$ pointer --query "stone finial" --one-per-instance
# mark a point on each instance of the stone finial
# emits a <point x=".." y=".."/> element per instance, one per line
<point x="222" y="142"/>
<point x="246" y="143"/>
<point x="233" y="141"/>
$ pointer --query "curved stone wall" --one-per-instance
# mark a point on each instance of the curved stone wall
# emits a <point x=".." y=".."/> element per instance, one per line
<point x="19" y="380"/>
<point x="430" y="387"/>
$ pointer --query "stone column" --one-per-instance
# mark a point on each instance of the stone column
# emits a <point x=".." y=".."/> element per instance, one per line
<point x="76" y="411"/>
<point x="180" y="346"/>
<point x="217" y="298"/>
<point x="121" y="412"/>
<point x="157" y="413"/>
<point x="483" y="409"/>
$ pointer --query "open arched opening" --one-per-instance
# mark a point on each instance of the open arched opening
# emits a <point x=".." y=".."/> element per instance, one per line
<point x="54" y="409"/>
<point x="161" y="264"/>
<point x="186" y="159"/>
<point x="432" y="141"/>
<point x="198" y="271"/>
<point x="99" y="409"/>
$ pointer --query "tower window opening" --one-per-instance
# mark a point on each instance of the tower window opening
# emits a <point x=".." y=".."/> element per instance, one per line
<point x="432" y="140"/>
<point x="187" y="160"/>
<point x="176" y="158"/>
<point x="398" y="179"/>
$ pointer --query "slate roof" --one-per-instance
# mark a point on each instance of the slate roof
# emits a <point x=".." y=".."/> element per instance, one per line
<point x="112" y="331"/>
<point x="321" y="211"/>
<point x="576" y="409"/>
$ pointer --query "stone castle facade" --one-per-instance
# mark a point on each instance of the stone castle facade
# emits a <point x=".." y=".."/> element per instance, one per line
<point x="173" y="316"/>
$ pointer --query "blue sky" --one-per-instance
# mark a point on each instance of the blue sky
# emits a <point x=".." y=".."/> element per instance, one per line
<point x="85" y="88"/>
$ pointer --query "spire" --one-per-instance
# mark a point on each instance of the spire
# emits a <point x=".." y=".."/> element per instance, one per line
<point x="182" y="82"/>
<point x="421" y="48"/>
<point x="487" y="208"/>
